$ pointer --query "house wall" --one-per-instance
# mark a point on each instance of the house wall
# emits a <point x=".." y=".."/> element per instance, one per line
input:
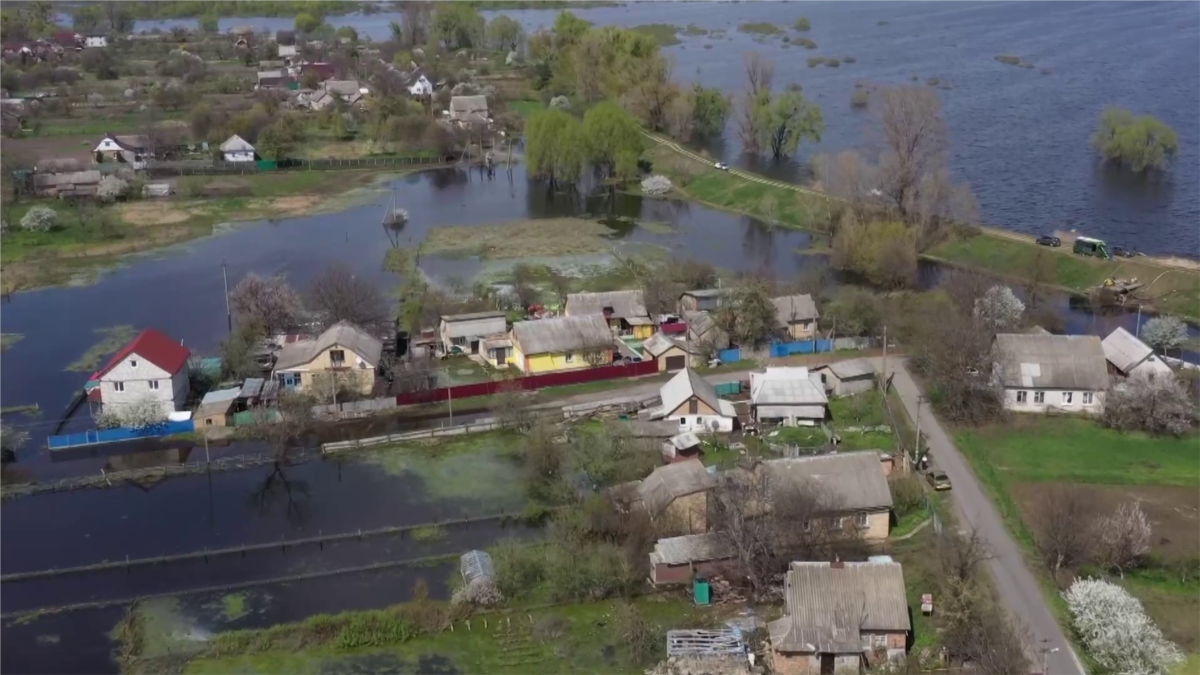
<point x="314" y="374"/>
<point x="662" y="574"/>
<point x="687" y="514"/>
<point x="473" y="329"/>
<point x="802" y="330"/>
<point x="701" y="420"/>
<point x="220" y="420"/>
<point x="847" y="387"/>
<point x="799" y="416"/>
<point x="239" y="156"/>
<point x="1053" y="400"/>
<point x="171" y="392"/>
<point x="673" y="351"/>
<point x="548" y="363"/>
<point x="643" y="332"/>
<point x="879" y="525"/>
<point x="892" y="648"/>
<point x="801" y="663"/>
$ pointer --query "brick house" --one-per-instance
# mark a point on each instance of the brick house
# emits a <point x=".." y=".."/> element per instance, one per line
<point x="152" y="366"/>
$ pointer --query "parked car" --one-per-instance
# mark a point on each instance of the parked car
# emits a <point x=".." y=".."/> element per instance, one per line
<point x="938" y="479"/>
<point x="722" y="166"/>
<point x="1122" y="252"/>
<point x="1049" y="240"/>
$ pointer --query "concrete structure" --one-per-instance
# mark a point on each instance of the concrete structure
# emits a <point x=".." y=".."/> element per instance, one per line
<point x="95" y="41"/>
<point x="691" y="401"/>
<point x="151" y="366"/>
<point x="130" y="149"/>
<point x="668" y="352"/>
<point x="787" y="396"/>
<point x="853" y="485"/>
<point x="841" y="617"/>
<point x="797" y="315"/>
<point x="1130" y="357"/>
<point x="561" y="343"/>
<point x="1068" y="373"/>
<point x="466" y="331"/>
<point x="268" y="79"/>
<point x="216" y="408"/>
<point x="676" y="560"/>
<point x="846" y="377"/>
<point x="625" y="311"/>
<point x="343" y="357"/>
<point x="676" y="496"/>
<point x="236" y="149"/>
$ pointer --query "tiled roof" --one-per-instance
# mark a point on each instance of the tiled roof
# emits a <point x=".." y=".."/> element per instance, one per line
<point x="155" y="348"/>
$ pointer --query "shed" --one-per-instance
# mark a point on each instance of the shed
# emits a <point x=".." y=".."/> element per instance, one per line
<point x="216" y="408"/>
<point x="797" y="315"/>
<point x="700" y="300"/>
<point x="676" y="560"/>
<point x="1129" y="356"/>
<point x="670" y="354"/>
<point x="466" y="330"/>
<point x="678" y="493"/>
<point x="847" y="377"/>
<point x="681" y="447"/>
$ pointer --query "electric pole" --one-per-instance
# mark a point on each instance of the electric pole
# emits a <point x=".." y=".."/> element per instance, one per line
<point x="228" y="314"/>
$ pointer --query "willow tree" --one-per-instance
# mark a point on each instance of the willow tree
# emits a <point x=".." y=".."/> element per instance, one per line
<point x="555" y="146"/>
<point x="785" y="119"/>
<point x="614" y="139"/>
<point x="1136" y="142"/>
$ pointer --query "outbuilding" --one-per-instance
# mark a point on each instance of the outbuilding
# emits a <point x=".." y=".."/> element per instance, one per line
<point x="676" y="560"/>
<point x="787" y="396"/>
<point x="216" y="408"/>
<point x="237" y="149"/>
<point x="1128" y="356"/>
<point x="847" y="377"/>
<point x="668" y="352"/>
<point x="466" y="331"/>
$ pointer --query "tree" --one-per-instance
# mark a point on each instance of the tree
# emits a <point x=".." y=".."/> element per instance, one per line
<point x="649" y="89"/>
<point x="268" y="301"/>
<point x="1165" y="332"/>
<point x="307" y="23"/>
<point x="568" y="29"/>
<point x="610" y="131"/>
<point x="111" y="188"/>
<point x="555" y="146"/>
<point x="852" y="312"/>
<point x="505" y="34"/>
<point x="457" y="25"/>
<point x="1063" y="527"/>
<point x="679" y="118"/>
<point x="915" y="140"/>
<point x="86" y="18"/>
<point x="202" y="120"/>
<point x="759" y="73"/>
<point x="1123" y="538"/>
<point x="280" y="139"/>
<point x="747" y="314"/>
<point x="337" y="294"/>
<point x="209" y="23"/>
<point x="884" y="252"/>
<point x="1114" y="627"/>
<point x="1000" y="310"/>
<point x="39" y="219"/>
<point x="239" y="352"/>
<point x="786" y="120"/>
<point x="954" y="352"/>
<point x="142" y="413"/>
<point x="11" y="440"/>
<point x="1155" y="404"/>
<point x="170" y="98"/>
<point x="347" y="32"/>
<point x="120" y="18"/>
<point x="283" y="426"/>
<point x="1135" y="142"/>
<point x="710" y="109"/>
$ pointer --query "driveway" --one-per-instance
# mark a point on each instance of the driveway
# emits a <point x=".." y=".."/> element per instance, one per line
<point x="1017" y="588"/>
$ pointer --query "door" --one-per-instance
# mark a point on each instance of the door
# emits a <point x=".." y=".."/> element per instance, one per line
<point x="676" y="362"/>
<point x="826" y="664"/>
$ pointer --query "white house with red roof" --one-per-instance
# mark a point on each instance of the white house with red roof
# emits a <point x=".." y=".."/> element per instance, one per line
<point x="153" y="366"/>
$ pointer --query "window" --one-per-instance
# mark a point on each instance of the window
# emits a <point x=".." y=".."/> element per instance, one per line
<point x="133" y="363"/>
<point x="862" y="519"/>
<point x="693" y="406"/>
<point x="1088" y="398"/>
<point x="1039" y="397"/>
<point x="699" y="422"/>
<point x="879" y="640"/>
<point x="1022" y="396"/>
<point x="1067" y="397"/>
<point x="337" y="357"/>
<point x="838" y="524"/>
<point x="865" y="639"/>
<point x="208" y="422"/>
<point x="154" y="384"/>
<point x="118" y="386"/>
<point x="569" y="357"/>
<point x="806" y="526"/>
<point x="683" y="421"/>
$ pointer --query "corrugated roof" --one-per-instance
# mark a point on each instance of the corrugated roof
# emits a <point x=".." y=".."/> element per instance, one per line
<point x="1050" y="361"/>
<point x="672" y="481"/>
<point x="342" y="333"/>
<point x="852" y="368"/>
<point x="704" y="293"/>
<point x="623" y="303"/>
<point x="1123" y="350"/>
<point x="563" y="334"/>
<point x="251" y="388"/>
<point x="688" y="383"/>
<point x="691" y="548"/>
<point x="343" y="87"/>
<point x="471" y="316"/>
<point x="828" y="607"/>
<point x="791" y="308"/>
<point x="687" y="439"/>
<point x="785" y="386"/>
<point x="153" y="346"/>
<point x="852" y="481"/>
<point x="219" y="395"/>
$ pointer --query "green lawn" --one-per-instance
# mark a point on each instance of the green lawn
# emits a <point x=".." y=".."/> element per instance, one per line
<point x="524" y="109"/>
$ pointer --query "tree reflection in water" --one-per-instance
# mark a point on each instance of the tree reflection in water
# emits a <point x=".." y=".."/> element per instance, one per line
<point x="278" y="491"/>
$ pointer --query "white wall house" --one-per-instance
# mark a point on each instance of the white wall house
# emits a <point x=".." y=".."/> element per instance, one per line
<point x="95" y="41"/>
<point x="151" y="366"/>
<point x="692" y="403"/>
<point x="787" y="396"/>
<point x="1042" y="372"/>
<point x="421" y="87"/>
<point x="236" y="149"/>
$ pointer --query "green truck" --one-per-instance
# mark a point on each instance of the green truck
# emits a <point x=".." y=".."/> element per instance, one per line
<point x="1093" y="247"/>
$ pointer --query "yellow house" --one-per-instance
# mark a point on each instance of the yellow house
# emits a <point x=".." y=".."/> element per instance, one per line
<point x="797" y="315"/>
<point x="497" y="350"/>
<point x="561" y="343"/>
<point x="343" y="357"/>
<point x="625" y="311"/>
<point x="853" y="485"/>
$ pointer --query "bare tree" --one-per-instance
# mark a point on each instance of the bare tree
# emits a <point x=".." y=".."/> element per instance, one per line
<point x="1123" y="538"/>
<point x="283" y="427"/>
<point x="961" y="555"/>
<point x="337" y="294"/>
<point x="759" y="71"/>
<point x="510" y="405"/>
<point x="268" y="301"/>
<point x="679" y="118"/>
<point x="981" y="633"/>
<point x="915" y="141"/>
<point x="954" y="352"/>
<point x="1063" y="527"/>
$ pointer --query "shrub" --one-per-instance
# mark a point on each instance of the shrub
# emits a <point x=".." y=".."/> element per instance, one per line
<point x="656" y="185"/>
<point x="1137" y="142"/>
<point x="111" y="188"/>
<point x="641" y="637"/>
<point x="518" y="568"/>
<point x="39" y="219"/>
<point x="591" y="572"/>
<point x="1123" y="539"/>
<point x="907" y="495"/>
<point x="860" y="98"/>
<point x="806" y="43"/>
<point x="1000" y="310"/>
<point x="1009" y="59"/>
<point x="833" y="63"/>
<point x="477" y="593"/>
<point x="1157" y="405"/>
<point x="802" y="23"/>
<point x="1116" y="631"/>
<point x="814" y="61"/>
<point x="849" y="59"/>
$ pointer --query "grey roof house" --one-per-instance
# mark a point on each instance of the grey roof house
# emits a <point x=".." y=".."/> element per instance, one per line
<point x="1040" y="372"/>
<point x="625" y="311"/>
<point x="466" y="331"/>
<point x="1129" y="356"/>
<point x="844" y="378"/>
<point x="797" y="315"/>
<point x="787" y="396"/>
<point x="693" y="402"/>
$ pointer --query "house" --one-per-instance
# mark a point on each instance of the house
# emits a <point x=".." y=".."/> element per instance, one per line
<point x="1130" y="357"/>
<point x="625" y="311"/>
<point x="702" y="300"/>
<point x="853" y="486"/>
<point x="344" y="356"/>
<point x="704" y="336"/>
<point x="840" y="617"/>
<point x="236" y="149"/>
<point x="676" y="560"/>
<point x="68" y="184"/>
<point x="130" y="149"/>
<point x="1068" y="373"/>
<point x="216" y="408"/>
<point x="67" y="39"/>
<point x="797" y="315"/>
<point x="421" y="86"/>
<point x="465" y="331"/>
<point x="670" y="353"/>
<point x="95" y="41"/>
<point x="676" y="496"/>
<point x="497" y="350"/>
<point x="324" y="71"/>
<point x="348" y="91"/>
<point x="287" y="52"/>
<point x="270" y="78"/>
<point x="693" y="402"/>
<point x="681" y="447"/>
<point x="847" y="377"/>
<point x="469" y="110"/>
<point x="561" y="343"/>
<point x="787" y="396"/>
<point x="152" y="366"/>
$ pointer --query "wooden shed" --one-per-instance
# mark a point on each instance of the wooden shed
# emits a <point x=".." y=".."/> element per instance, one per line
<point x="677" y="559"/>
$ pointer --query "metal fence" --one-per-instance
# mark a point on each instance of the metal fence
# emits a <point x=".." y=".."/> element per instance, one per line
<point x="95" y="436"/>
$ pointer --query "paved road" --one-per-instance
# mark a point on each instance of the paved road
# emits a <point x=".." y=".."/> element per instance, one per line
<point x="1016" y="585"/>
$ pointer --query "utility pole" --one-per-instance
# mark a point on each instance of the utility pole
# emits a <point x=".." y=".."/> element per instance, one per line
<point x="450" y="398"/>
<point x="1137" y="327"/>
<point x="917" y="446"/>
<point x="228" y="314"/>
<point x="885" y="373"/>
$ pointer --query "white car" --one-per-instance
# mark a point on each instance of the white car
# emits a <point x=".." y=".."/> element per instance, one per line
<point x="722" y="166"/>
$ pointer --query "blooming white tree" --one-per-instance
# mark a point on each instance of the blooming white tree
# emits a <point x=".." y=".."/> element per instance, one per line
<point x="110" y="188"/>
<point x="1116" y="630"/>
<point x="999" y="309"/>
<point x="39" y="219"/>
<point x="1123" y="538"/>
<point x="481" y="592"/>
<point x="656" y="185"/>
<point x="1164" y="332"/>
<point x="140" y="414"/>
<point x="1158" y="405"/>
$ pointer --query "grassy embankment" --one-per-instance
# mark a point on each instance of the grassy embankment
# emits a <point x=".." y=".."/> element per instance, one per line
<point x="1016" y="462"/>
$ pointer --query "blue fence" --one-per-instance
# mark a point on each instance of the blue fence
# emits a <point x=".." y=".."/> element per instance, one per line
<point x="94" y="436"/>
<point x="780" y="349"/>
<point x="730" y="355"/>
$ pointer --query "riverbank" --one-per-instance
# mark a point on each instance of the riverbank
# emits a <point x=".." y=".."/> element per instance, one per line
<point x="84" y="241"/>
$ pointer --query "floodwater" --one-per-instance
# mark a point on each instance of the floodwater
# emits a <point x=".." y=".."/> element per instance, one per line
<point x="1020" y="136"/>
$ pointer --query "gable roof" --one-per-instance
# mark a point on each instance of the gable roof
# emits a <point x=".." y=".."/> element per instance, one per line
<point x="1050" y="361"/>
<point x="658" y="344"/>
<point x="471" y="316"/>
<point x="343" y="87"/>
<point x="688" y="383"/>
<point x="785" y="386"/>
<point x="691" y="548"/>
<point x="791" y="308"/>
<point x="828" y="607"/>
<point x="562" y="334"/>
<point x="216" y="402"/>
<point x="852" y="368"/>
<point x="236" y="143"/>
<point x="624" y="303"/>
<point x="342" y="333"/>
<point x="462" y="105"/>
<point x="853" y="481"/>
<point x="1123" y="350"/>
<point x="153" y="346"/>
<point x="130" y="143"/>
<point x="699" y="322"/>
<point x="672" y="481"/>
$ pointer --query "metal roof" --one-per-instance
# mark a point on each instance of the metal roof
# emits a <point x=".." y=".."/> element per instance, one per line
<point x="1123" y="350"/>
<point x="829" y="606"/>
<point x="476" y="565"/>
<point x="219" y="395"/>
<point x="672" y="481"/>
<point x="658" y="344"/>
<point x="691" y="548"/>
<point x="624" y="304"/>
<point x="563" y="334"/>
<point x="686" y="384"/>
<point x="703" y="293"/>
<point x="461" y="105"/>
<point x="791" y="308"/>
<point x="852" y="368"/>
<point x="785" y="386"/>
<point x="687" y="439"/>
<point x="1050" y="361"/>
<point x="724" y="643"/>
<point x="342" y="334"/>
<point x="852" y="481"/>
<point x="217" y="402"/>
<point x="471" y="316"/>
<point x="251" y="387"/>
